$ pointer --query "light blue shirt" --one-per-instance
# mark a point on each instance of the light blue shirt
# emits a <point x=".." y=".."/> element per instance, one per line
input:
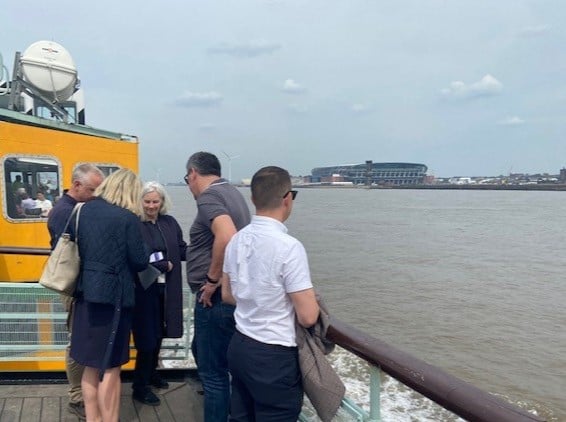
<point x="265" y="264"/>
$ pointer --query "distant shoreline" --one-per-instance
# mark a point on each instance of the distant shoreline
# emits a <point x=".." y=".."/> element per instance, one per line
<point x="537" y="187"/>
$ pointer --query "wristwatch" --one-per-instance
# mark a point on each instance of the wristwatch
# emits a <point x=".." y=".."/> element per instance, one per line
<point x="211" y="281"/>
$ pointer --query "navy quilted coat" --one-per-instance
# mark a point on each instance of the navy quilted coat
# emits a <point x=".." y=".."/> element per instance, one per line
<point x="112" y="252"/>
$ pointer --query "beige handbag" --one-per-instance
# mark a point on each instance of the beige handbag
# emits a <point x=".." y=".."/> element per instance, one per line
<point x="63" y="265"/>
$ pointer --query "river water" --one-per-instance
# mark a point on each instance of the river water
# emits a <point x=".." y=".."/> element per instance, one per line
<point x="469" y="281"/>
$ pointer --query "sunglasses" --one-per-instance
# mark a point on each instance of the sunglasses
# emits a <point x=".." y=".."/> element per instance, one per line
<point x="186" y="178"/>
<point x="292" y="192"/>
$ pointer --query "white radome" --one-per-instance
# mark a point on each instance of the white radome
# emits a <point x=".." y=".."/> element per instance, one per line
<point x="49" y="67"/>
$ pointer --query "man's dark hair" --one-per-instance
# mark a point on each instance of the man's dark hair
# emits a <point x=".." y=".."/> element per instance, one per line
<point x="269" y="186"/>
<point x="205" y="164"/>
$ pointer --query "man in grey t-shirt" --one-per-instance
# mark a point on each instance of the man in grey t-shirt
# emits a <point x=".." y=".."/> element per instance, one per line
<point x="222" y="211"/>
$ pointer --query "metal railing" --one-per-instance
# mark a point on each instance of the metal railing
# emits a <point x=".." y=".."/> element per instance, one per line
<point x="454" y="394"/>
<point x="14" y="250"/>
<point x="32" y="322"/>
<point x="33" y="326"/>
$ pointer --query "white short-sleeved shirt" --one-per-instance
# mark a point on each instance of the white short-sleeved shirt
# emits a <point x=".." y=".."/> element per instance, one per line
<point x="45" y="206"/>
<point x="265" y="264"/>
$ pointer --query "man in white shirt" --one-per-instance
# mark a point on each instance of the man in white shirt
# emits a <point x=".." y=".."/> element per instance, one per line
<point x="43" y="203"/>
<point x="267" y="277"/>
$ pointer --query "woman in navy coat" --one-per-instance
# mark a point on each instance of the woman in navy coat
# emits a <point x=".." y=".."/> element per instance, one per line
<point x="112" y="252"/>
<point x="159" y="307"/>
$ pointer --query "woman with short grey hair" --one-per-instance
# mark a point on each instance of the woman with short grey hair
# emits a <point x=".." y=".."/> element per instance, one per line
<point x="158" y="311"/>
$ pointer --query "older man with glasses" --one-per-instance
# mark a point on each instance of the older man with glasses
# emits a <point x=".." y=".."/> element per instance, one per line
<point x="85" y="179"/>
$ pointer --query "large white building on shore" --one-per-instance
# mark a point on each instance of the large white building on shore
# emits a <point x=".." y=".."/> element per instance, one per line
<point x="370" y="173"/>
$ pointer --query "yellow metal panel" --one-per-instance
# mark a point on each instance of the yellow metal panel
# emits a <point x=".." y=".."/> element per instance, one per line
<point x="57" y="365"/>
<point x="18" y="268"/>
<point x="69" y="150"/>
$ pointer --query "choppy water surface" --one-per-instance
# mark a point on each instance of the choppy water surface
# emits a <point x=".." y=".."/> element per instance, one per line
<point x="472" y="282"/>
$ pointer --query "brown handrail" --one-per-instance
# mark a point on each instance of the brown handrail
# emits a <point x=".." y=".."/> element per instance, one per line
<point x="452" y="393"/>
<point x="14" y="250"/>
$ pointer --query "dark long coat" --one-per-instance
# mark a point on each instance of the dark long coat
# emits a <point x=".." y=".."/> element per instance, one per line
<point x="148" y="325"/>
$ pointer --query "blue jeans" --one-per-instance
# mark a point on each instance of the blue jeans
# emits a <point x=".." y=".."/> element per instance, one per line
<point x="214" y="327"/>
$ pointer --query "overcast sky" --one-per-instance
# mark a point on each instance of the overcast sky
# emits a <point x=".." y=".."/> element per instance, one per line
<point x="467" y="87"/>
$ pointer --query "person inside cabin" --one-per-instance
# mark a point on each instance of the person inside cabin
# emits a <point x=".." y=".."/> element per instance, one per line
<point x="15" y="208"/>
<point x="43" y="203"/>
<point x="84" y="180"/>
<point x="17" y="184"/>
<point x="112" y="253"/>
<point x="158" y="311"/>
<point x="266" y="275"/>
<point x="26" y="202"/>
<point x="13" y="200"/>
<point x="48" y="187"/>
<point x="221" y="211"/>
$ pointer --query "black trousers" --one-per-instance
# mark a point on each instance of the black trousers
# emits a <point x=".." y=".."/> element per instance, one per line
<point x="145" y="369"/>
<point x="148" y="339"/>
<point x="266" y="381"/>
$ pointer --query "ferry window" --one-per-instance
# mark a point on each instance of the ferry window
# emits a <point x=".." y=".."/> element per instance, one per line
<point x="108" y="170"/>
<point x="25" y="178"/>
<point x="69" y="106"/>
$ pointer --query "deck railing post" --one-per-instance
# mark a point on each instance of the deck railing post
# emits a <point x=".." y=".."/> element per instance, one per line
<point x="374" y="393"/>
<point x="190" y="326"/>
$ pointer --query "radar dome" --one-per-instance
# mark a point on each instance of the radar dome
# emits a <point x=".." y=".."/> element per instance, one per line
<point x="49" y="67"/>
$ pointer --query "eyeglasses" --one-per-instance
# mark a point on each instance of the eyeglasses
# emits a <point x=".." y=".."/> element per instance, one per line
<point x="186" y="178"/>
<point x="292" y="192"/>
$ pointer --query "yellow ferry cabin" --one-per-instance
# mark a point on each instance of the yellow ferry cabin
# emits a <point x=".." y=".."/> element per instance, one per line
<point x="43" y="138"/>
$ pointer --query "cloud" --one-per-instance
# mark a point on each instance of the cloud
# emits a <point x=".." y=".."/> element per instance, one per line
<point x="485" y="87"/>
<point x="511" y="121"/>
<point x="199" y="99"/>
<point x="245" y="50"/>
<point x="534" y="31"/>
<point x="360" y="108"/>
<point x="292" y="87"/>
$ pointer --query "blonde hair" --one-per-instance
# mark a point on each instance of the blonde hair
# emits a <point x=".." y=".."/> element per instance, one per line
<point x="122" y="188"/>
<point x="149" y="187"/>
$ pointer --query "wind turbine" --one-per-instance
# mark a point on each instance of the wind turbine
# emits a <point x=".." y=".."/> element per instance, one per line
<point x="230" y="158"/>
<point x="157" y="174"/>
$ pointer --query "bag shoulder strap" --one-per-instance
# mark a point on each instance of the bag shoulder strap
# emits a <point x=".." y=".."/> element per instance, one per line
<point x="78" y="207"/>
<point x="77" y="210"/>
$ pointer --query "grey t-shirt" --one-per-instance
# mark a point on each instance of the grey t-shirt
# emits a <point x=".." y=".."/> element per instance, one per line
<point x="220" y="198"/>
